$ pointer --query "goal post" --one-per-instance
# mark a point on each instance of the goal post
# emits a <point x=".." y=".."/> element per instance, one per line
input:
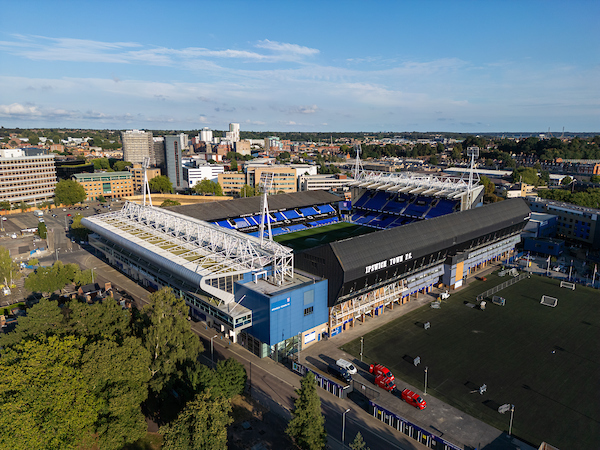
<point x="567" y="285"/>
<point x="549" y="301"/>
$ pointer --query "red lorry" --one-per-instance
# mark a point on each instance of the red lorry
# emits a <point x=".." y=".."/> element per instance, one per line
<point x="413" y="398"/>
<point x="378" y="369"/>
<point x="385" y="383"/>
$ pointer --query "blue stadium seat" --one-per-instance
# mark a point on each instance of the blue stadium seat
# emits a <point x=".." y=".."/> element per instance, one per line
<point x="280" y="217"/>
<point x="326" y="209"/>
<point x="225" y="224"/>
<point x="291" y="214"/>
<point x="308" y="211"/>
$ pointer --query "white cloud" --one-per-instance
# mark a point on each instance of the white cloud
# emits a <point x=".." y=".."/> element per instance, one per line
<point x="287" y="49"/>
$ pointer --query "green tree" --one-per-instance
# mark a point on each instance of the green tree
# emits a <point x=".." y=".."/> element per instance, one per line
<point x="566" y="180"/>
<point x="22" y="206"/>
<point x="120" y="166"/>
<point x="208" y="187"/>
<point x="233" y="166"/>
<point x="526" y="175"/>
<point x="489" y="187"/>
<point x="167" y="335"/>
<point x="593" y="179"/>
<point x="433" y="160"/>
<point x="101" y="164"/>
<point x="161" y="184"/>
<point x="5" y="205"/>
<point x="83" y="277"/>
<point x="101" y="198"/>
<point x="247" y="191"/>
<point x="168" y="202"/>
<point x="50" y="279"/>
<point x="202" y="425"/>
<point x="69" y="192"/>
<point x="457" y="151"/>
<point x="9" y="270"/>
<point x="231" y="377"/>
<point x="117" y="375"/>
<point x="80" y="232"/>
<point x="43" y="319"/>
<point x="359" y="443"/>
<point x="42" y="230"/>
<point x="198" y="378"/>
<point x="307" y="426"/>
<point x="104" y="319"/>
<point x="33" y="262"/>
<point x="41" y="386"/>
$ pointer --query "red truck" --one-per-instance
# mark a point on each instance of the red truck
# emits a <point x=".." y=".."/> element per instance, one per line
<point x="414" y="399"/>
<point x="378" y="369"/>
<point x="385" y="383"/>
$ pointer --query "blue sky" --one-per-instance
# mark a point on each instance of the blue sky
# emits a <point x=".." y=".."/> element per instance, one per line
<point x="465" y="66"/>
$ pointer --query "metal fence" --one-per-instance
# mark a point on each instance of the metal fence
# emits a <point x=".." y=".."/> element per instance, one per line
<point x="495" y="289"/>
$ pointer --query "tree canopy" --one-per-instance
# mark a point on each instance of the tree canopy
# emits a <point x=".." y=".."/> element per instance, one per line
<point x="54" y="278"/>
<point x="247" y="191"/>
<point x="69" y="192"/>
<point x="208" y="187"/>
<point x="202" y="425"/>
<point x="161" y="183"/>
<point x="169" y="202"/>
<point x="307" y="426"/>
<point x="9" y="270"/>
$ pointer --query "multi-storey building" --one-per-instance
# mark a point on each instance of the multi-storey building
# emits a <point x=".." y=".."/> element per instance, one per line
<point x="575" y="223"/>
<point x="206" y="135"/>
<point x="138" y="145"/>
<point x="284" y="177"/>
<point x="159" y="151"/>
<point x="196" y="174"/>
<point x="336" y="181"/>
<point x="28" y="179"/>
<point x="137" y="173"/>
<point x="232" y="182"/>
<point x="174" y="145"/>
<point x="107" y="184"/>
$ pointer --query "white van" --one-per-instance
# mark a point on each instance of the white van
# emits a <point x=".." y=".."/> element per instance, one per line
<point x="346" y="365"/>
<point x="38" y="213"/>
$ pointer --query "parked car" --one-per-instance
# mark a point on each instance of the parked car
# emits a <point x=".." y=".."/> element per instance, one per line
<point x="339" y="373"/>
<point x="378" y="369"/>
<point x="413" y="398"/>
<point x="385" y="383"/>
<point x="346" y="365"/>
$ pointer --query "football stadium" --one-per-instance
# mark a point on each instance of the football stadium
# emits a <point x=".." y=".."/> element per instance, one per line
<point x="278" y="272"/>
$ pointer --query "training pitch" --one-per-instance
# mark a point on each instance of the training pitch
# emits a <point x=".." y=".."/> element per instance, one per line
<point x="313" y="237"/>
<point x="545" y="361"/>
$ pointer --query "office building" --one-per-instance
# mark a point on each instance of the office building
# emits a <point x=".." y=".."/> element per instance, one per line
<point x="107" y="184"/>
<point x="174" y="146"/>
<point x="137" y="173"/>
<point x="159" y="152"/>
<point x="196" y="174"/>
<point x="28" y="179"/>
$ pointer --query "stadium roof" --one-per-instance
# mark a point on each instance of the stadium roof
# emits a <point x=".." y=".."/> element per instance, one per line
<point x="251" y="205"/>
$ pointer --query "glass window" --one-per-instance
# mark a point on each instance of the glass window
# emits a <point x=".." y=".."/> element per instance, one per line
<point x="309" y="297"/>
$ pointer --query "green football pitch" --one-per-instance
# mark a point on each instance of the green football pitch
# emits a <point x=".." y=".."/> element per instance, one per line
<point x="544" y="360"/>
<point x="313" y="237"/>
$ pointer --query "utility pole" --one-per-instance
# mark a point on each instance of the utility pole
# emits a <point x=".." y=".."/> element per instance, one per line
<point x="361" y="347"/>
<point x="344" y="425"/>
<point x="512" y="410"/>
<point x="425" y="392"/>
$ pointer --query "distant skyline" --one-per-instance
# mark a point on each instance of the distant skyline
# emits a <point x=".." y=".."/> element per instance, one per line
<point x="448" y="66"/>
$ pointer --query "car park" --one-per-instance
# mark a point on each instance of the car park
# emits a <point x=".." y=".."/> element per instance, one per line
<point x="347" y="365"/>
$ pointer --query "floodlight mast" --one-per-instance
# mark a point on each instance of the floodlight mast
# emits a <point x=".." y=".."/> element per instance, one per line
<point x="358" y="168"/>
<point x="265" y="185"/>
<point x="146" y="188"/>
<point x="473" y="152"/>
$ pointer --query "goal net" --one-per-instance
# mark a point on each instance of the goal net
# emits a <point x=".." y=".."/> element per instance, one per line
<point x="549" y="301"/>
<point x="567" y="285"/>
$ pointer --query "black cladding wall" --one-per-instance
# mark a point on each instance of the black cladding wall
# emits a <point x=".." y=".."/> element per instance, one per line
<point x="357" y="263"/>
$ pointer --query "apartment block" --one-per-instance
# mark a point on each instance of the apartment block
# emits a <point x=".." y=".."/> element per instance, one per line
<point x="26" y="179"/>
<point x="174" y="146"/>
<point x="107" y="184"/>
<point x="138" y="145"/>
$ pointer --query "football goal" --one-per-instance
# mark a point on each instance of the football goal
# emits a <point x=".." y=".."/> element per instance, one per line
<point x="549" y="301"/>
<point x="497" y="300"/>
<point x="567" y="285"/>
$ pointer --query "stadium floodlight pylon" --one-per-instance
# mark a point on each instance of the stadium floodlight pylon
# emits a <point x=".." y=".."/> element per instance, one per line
<point x="358" y="168"/>
<point x="265" y="185"/>
<point x="473" y="152"/>
<point x="146" y="188"/>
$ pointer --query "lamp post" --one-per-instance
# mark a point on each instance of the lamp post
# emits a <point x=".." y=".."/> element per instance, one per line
<point x="512" y="410"/>
<point x="425" y="392"/>
<point x="211" y="350"/>
<point x="93" y="275"/>
<point x="344" y="425"/>
<point x="57" y="253"/>
<point x="361" y="347"/>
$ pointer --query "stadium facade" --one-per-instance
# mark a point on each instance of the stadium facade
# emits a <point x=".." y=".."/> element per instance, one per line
<point x="272" y="299"/>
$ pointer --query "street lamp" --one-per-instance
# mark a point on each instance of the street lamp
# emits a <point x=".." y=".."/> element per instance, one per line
<point x="211" y="349"/>
<point x="93" y="275"/>
<point x="425" y="393"/>
<point x="57" y="253"/>
<point x="361" y="347"/>
<point x="512" y="410"/>
<point x="344" y="425"/>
